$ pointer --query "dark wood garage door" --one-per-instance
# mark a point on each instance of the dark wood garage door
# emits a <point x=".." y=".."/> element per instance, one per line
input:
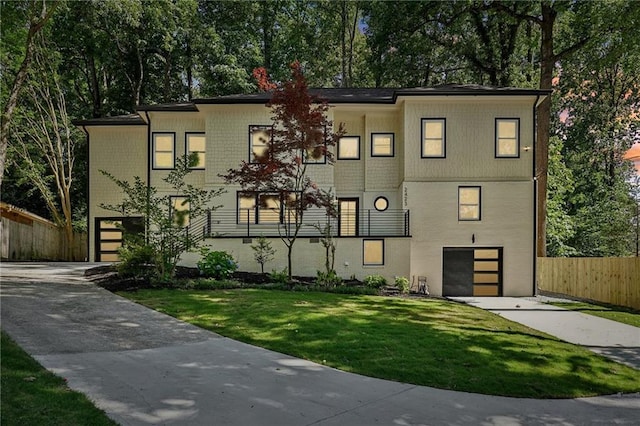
<point x="110" y="233"/>
<point x="472" y="271"/>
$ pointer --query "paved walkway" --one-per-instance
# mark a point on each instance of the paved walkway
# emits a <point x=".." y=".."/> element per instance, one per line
<point x="145" y="368"/>
<point x="620" y="342"/>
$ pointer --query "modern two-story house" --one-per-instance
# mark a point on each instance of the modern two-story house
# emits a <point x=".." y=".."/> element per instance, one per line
<point x="434" y="183"/>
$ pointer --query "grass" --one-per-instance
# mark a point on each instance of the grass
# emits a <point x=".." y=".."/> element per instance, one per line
<point x="32" y="395"/>
<point x="615" y="313"/>
<point x="425" y="342"/>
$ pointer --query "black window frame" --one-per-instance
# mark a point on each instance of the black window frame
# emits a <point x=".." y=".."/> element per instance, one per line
<point x="381" y="197"/>
<point x="423" y="120"/>
<point x="359" y="148"/>
<point x="256" y="207"/>
<point x="479" y="188"/>
<point x="393" y="144"/>
<point x="496" y="137"/>
<point x="269" y="128"/>
<point x="381" y="240"/>
<point x="187" y="152"/>
<point x="153" y="151"/>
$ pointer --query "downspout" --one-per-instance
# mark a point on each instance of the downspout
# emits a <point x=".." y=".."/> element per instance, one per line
<point x="88" y="192"/>
<point x="147" y="223"/>
<point x="535" y="199"/>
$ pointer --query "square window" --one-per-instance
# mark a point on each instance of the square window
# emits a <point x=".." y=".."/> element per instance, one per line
<point x="180" y="211"/>
<point x="164" y="148"/>
<point x="507" y="137"/>
<point x="372" y="252"/>
<point x="259" y="138"/>
<point x="433" y="138"/>
<point x="349" y="148"/>
<point x="469" y="203"/>
<point x="315" y="155"/>
<point x="382" y="144"/>
<point x="196" y="145"/>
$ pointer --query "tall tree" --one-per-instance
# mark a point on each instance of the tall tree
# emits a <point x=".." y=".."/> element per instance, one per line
<point x="36" y="13"/>
<point x="301" y="134"/>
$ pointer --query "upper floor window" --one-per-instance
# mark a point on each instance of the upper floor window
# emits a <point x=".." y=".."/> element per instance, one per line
<point x="316" y="155"/>
<point x="469" y="203"/>
<point x="164" y="148"/>
<point x="196" y="145"/>
<point x="507" y="137"/>
<point x="180" y="211"/>
<point x="259" y="137"/>
<point x="349" y="148"/>
<point x="382" y="144"/>
<point x="257" y="207"/>
<point x="434" y="138"/>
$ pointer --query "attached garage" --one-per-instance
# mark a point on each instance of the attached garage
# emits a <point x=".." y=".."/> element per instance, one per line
<point x="472" y="271"/>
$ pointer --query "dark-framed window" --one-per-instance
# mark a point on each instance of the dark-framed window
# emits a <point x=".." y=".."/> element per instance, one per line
<point x="259" y="207"/>
<point x="196" y="143"/>
<point x="469" y="203"/>
<point x="316" y="155"/>
<point x="507" y="137"/>
<point x="433" y="135"/>
<point x="382" y="144"/>
<point x="349" y="148"/>
<point x="112" y="232"/>
<point x="259" y="139"/>
<point x="373" y="252"/>
<point x="381" y="204"/>
<point x="163" y="150"/>
<point x="179" y="210"/>
<point x="348" y="217"/>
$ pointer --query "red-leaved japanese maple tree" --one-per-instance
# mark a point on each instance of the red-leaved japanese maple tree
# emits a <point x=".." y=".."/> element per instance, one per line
<point x="301" y="134"/>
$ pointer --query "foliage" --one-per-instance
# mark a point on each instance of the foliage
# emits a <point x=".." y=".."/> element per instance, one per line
<point x="424" y="342"/>
<point x="328" y="279"/>
<point x="32" y="395"/>
<point x="301" y="133"/>
<point x="281" y="277"/>
<point x="163" y="232"/>
<point x="403" y="284"/>
<point x="375" y="281"/>
<point x="262" y="251"/>
<point x="216" y="264"/>
<point x="137" y="260"/>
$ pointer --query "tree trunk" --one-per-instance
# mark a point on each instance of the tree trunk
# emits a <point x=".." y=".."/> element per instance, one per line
<point x="289" y="254"/>
<point x="547" y="61"/>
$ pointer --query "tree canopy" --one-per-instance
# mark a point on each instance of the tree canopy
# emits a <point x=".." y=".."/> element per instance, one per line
<point x="112" y="55"/>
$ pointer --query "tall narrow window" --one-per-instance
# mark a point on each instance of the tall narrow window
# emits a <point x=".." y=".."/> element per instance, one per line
<point x="469" y="203"/>
<point x="434" y="136"/>
<point x="246" y="207"/>
<point x="259" y="138"/>
<point x="382" y="144"/>
<point x="507" y="137"/>
<point x="349" y="148"/>
<point x="269" y="208"/>
<point x="196" y="145"/>
<point x="180" y="211"/>
<point x="348" y="213"/>
<point x="373" y="252"/>
<point x="164" y="148"/>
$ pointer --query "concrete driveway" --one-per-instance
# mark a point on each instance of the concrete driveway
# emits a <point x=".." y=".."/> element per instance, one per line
<point x="145" y="368"/>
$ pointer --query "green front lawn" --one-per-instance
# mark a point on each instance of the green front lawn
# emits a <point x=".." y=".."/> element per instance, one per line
<point x="426" y="342"/>
<point x="615" y="313"/>
<point x="33" y="396"/>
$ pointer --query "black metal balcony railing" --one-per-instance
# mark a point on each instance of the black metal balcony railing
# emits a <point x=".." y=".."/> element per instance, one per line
<point x="249" y="223"/>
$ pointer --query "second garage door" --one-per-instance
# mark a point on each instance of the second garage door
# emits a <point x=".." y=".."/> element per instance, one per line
<point x="472" y="271"/>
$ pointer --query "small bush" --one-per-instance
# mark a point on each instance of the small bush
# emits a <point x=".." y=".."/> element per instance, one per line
<point x="280" y="277"/>
<point x="216" y="264"/>
<point x="328" y="279"/>
<point x="137" y="261"/>
<point x="375" y="281"/>
<point x="403" y="284"/>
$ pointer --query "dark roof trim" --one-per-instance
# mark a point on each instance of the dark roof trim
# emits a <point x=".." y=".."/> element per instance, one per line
<point x="119" y="120"/>
<point x="184" y="106"/>
<point x="380" y="96"/>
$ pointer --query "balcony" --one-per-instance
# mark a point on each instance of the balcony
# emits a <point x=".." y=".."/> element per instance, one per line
<point x="225" y="223"/>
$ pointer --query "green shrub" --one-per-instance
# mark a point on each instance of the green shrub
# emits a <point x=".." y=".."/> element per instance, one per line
<point x="375" y="281"/>
<point x="216" y="264"/>
<point x="280" y="277"/>
<point x="403" y="284"/>
<point x="328" y="279"/>
<point x="137" y="261"/>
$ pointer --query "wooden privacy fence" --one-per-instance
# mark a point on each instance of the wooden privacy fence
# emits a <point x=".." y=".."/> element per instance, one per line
<point x="614" y="280"/>
<point x="26" y="236"/>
